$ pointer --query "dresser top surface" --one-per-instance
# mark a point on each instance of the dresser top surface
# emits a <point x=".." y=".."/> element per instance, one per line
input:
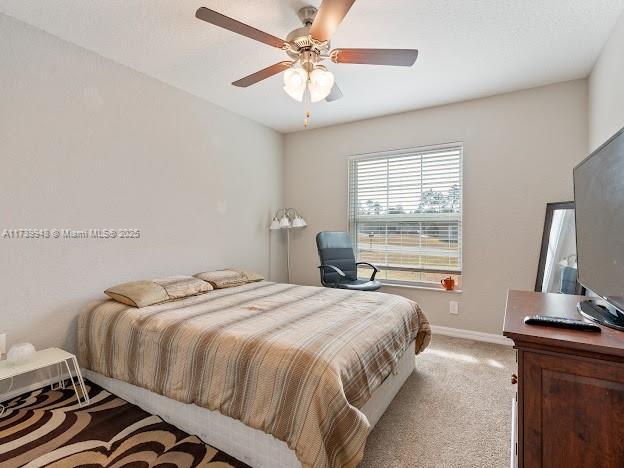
<point x="523" y="303"/>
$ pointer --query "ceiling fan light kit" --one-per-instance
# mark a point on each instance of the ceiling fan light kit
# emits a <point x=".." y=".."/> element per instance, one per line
<point x="305" y="78"/>
<point x="315" y="86"/>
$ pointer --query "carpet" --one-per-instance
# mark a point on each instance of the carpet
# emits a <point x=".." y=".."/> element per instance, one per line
<point x="47" y="428"/>
<point x="453" y="411"/>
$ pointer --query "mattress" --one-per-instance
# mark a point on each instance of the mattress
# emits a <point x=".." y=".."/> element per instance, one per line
<point x="252" y="446"/>
<point x="295" y="362"/>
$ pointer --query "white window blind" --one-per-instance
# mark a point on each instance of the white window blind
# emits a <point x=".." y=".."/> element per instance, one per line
<point x="405" y="210"/>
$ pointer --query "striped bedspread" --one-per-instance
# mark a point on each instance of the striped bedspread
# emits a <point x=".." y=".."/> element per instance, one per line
<point x="293" y="361"/>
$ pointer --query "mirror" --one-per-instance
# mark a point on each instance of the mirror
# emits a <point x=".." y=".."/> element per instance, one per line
<point x="557" y="269"/>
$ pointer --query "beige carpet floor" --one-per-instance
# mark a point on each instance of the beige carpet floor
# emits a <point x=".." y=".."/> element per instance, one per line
<point x="453" y="411"/>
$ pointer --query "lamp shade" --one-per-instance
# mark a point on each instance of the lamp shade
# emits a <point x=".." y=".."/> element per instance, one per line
<point x="284" y="222"/>
<point x="320" y="84"/>
<point x="295" y="81"/>
<point x="298" y="222"/>
<point x="275" y="224"/>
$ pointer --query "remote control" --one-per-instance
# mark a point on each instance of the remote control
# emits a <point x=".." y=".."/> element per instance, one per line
<point x="560" y="322"/>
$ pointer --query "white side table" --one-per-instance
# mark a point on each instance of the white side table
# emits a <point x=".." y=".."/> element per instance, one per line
<point x="47" y="358"/>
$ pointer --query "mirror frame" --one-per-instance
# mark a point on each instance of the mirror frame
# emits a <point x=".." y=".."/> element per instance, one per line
<point x="550" y="209"/>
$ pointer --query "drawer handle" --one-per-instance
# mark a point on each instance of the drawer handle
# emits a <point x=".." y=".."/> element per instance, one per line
<point x="514" y="379"/>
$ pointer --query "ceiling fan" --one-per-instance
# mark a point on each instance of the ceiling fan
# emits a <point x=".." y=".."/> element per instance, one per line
<point x="305" y="78"/>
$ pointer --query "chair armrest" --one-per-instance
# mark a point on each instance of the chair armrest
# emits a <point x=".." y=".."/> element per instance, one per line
<point x="369" y="264"/>
<point x="341" y="273"/>
<point x="375" y="269"/>
<point x="336" y="269"/>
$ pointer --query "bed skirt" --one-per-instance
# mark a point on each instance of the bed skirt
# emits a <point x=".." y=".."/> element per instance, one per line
<point x="252" y="446"/>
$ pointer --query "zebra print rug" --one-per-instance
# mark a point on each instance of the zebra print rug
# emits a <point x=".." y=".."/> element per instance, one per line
<point x="47" y="428"/>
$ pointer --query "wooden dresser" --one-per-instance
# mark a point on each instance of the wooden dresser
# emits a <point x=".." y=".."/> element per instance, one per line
<point x="570" y="399"/>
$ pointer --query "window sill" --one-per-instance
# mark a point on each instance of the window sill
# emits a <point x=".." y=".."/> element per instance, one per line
<point x="419" y="286"/>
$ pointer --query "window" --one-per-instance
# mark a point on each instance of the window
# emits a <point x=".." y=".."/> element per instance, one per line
<point x="405" y="214"/>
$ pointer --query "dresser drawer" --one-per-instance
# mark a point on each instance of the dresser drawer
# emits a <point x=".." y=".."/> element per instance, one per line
<point x="573" y="411"/>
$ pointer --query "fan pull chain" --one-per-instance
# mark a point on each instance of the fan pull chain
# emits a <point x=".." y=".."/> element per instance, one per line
<point x="306" y="104"/>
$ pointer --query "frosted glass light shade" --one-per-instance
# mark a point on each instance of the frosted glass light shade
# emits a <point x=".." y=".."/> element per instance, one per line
<point x="298" y="222"/>
<point x="295" y="81"/>
<point x="320" y="85"/>
<point x="275" y="224"/>
<point x="284" y="222"/>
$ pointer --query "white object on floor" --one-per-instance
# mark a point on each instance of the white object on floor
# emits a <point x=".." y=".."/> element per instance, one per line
<point x="47" y="358"/>
<point x="251" y="446"/>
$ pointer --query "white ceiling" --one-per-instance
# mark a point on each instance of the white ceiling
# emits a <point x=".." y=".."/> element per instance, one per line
<point x="468" y="48"/>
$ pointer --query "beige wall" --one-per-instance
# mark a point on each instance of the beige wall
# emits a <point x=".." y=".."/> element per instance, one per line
<point x="606" y="89"/>
<point x="87" y="143"/>
<point x="519" y="151"/>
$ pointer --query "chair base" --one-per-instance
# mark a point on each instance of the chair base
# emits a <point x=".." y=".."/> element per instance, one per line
<point x="356" y="285"/>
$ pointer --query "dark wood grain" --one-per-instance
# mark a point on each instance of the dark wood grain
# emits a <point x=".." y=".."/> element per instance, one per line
<point x="225" y="22"/>
<point x="394" y="57"/>
<point x="570" y="387"/>
<point x="262" y="74"/>
<point x="574" y="412"/>
<point x="523" y="303"/>
<point x="328" y="18"/>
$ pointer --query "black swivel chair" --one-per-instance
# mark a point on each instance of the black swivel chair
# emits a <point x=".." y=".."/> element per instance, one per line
<point x="338" y="265"/>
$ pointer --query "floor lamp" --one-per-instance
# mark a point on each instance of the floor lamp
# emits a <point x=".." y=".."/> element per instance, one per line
<point x="287" y="218"/>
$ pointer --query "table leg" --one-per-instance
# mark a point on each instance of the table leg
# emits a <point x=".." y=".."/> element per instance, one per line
<point x="60" y="383"/>
<point x="53" y="385"/>
<point x="85" y="394"/>
<point x="71" y="377"/>
<point x="60" y="373"/>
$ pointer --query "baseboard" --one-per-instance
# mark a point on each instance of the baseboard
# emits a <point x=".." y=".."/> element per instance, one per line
<point x="471" y="335"/>
<point x="29" y="388"/>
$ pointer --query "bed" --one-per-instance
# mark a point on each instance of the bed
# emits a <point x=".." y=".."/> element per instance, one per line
<point x="274" y="374"/>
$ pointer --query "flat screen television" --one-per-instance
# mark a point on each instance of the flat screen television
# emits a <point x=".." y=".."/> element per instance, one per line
<point x="599" y="203"/>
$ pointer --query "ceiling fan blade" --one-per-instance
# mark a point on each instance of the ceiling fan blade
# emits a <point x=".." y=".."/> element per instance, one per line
<point x="396" y="57"/>
<point x="334" y="94"/>
<point x="262" y="74"/>
<point x="243" y="29"/>
<point x="328" y="18"/>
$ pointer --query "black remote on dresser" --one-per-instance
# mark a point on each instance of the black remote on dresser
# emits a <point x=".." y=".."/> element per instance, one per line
<point x="560" y="322"/>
